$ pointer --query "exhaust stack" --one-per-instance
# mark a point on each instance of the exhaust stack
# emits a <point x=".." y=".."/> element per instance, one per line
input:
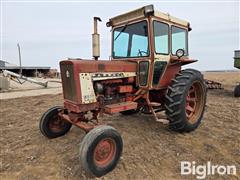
<point x="96" y="39"/>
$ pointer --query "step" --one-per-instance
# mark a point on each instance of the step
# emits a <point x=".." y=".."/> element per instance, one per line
<point x="159" y="109"/>
<point x="119" y="107"/>
<point x="155" y="104"/>
<point x="164" y="121"/>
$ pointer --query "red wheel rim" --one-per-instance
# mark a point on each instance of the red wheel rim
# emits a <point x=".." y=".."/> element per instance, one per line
<point x="56" y="124"/>
<point x="194" y="102"/>
<point x="104" y="152"/>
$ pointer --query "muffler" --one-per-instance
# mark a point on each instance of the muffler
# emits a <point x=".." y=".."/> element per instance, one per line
<point x="96" y="39"/>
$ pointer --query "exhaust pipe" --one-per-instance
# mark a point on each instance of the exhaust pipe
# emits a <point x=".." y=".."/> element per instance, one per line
<point x="96" y="39"/>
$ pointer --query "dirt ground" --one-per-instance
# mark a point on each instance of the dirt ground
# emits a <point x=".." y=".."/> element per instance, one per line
<point x="151" y="151"/>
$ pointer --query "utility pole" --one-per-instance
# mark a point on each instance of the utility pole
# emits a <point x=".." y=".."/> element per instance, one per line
<point x="20" y="60"/>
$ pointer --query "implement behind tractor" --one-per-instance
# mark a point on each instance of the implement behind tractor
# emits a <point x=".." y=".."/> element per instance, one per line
<point x="144" y="75"/>
<point x="213" y="84"/>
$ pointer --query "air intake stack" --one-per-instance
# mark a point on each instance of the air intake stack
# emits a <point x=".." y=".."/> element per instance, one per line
<point x="96" y="39"/>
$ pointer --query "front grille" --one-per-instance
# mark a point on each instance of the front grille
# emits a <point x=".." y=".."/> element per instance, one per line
<point x="68" y="83"/>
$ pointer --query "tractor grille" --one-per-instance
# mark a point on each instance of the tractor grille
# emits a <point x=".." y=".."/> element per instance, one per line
<point x="68" y="83"/>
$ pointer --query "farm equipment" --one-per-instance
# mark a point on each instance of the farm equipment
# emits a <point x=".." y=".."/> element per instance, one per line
<point x="213" y="84"/>
<point x="22" y="79"/>
<point x="144" y="75"/>
<point x="237" y="65"/>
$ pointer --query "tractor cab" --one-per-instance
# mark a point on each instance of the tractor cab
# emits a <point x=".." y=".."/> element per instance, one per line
<point x="131" y="38"/>
<point x="154" y="40"/>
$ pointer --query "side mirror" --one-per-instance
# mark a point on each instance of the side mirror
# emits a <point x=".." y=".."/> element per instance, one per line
<point x="180" y="53"/>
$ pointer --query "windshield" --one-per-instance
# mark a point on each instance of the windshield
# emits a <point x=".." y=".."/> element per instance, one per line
<point x="131" y="41"/>
<point x="179" y="40"/>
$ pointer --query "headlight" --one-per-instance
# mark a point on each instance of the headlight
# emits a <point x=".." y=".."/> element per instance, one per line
<point x="180" y="53"/>
<point x="148" y="10"/>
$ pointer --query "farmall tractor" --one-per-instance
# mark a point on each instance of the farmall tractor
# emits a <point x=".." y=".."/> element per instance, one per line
<point x="144" y="75"/>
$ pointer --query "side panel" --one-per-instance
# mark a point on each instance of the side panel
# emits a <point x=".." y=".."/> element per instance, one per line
<point x="87" y="91"/>
<point x="86" y="83"/>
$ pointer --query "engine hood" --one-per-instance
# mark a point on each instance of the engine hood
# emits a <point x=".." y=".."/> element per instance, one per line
<point x="91" y="66"/>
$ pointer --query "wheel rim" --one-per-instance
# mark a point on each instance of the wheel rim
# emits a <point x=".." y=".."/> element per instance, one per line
<point x="194" y="102"/>
<point x="104" y="152"/>
<point x="56" y="124"/>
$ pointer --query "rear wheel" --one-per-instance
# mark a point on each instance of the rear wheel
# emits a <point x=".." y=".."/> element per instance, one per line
<point x="51" y="125"/>
<point x="237" y="91"/>
<point x="100" y="150"/>
<point x="185" y="101"/>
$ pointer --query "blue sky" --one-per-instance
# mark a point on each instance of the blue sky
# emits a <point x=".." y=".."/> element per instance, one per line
<point x="50" y="32"/>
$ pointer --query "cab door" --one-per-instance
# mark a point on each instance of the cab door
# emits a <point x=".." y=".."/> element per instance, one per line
<point x="161" y="47"/>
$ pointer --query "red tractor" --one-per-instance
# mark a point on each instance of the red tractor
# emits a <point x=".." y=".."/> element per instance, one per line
<point x="144" y="75"/>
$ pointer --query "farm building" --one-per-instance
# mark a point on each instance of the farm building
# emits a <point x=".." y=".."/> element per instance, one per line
<point x="29" y="71"/>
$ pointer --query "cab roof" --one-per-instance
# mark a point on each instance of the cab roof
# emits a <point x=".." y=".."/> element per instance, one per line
<point x="145" y="12"/>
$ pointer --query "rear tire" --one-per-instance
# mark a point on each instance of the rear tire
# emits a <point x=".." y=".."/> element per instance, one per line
<point x="237" y="91"/>
<point x="185" y="101"/>
<point x="100" y="150"/>
<point x="51" y="125"/>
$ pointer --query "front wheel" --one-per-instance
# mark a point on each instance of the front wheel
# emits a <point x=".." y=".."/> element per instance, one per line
<point x="100" y="150"/>
<point x="51" y="125"/>
<point x="185" y="101"/>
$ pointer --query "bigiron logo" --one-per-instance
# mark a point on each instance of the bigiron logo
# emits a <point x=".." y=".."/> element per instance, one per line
<point x="202" y="171"/>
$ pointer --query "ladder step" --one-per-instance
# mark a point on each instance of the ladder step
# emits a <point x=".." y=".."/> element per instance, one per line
<point x="155" y="104"/>
<point x="158" y="110"/>
<point x="164" y="121"/>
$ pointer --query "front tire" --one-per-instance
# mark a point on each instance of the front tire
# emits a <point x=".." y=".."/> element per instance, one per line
<point x="185" y="101"/>
<point x="100" y="150"/>
<point x="51" y="125"/>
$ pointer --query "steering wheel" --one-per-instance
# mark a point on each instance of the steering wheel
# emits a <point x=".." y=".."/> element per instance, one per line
<point x="140" y="52"/>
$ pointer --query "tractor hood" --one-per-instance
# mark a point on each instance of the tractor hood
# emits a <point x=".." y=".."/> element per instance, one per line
<point x="78" y="77"/>
<point x="91" y="66"/>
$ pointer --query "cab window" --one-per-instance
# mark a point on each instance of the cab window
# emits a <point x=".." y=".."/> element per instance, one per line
<point x="131" y="40"/>
<point x="161" y="37"/>
<point x="139" y="46"/>
<point x="121" y="45"/>
<point x="179" y="40"/>
<point x="159" y="67"/>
